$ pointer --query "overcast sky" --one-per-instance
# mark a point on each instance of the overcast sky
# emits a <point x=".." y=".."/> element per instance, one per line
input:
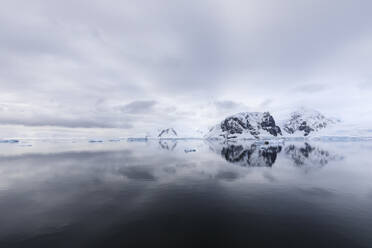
<point x="138" y="65"/>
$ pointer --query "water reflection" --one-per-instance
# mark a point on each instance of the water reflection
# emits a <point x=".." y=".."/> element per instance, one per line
<point x="254" y="156"/>
<point x="257" y="155"/>
<point x="169" y="145"/>
<point x="133" y="195"/>
<point x="307" y="155"/>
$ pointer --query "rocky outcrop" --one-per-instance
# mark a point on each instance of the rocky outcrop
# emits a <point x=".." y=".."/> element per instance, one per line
<point x="245" y="125"/>
<point x="305" y="121"/>
<point x="168" y="133"/>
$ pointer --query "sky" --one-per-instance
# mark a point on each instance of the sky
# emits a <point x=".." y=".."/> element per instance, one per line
<point x="134" y="66"/>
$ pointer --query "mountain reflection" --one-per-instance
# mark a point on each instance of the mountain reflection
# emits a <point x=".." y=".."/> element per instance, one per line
<point x="168" y="144"/>
<point x="307" y="155"/>
<point x="114" y="194"/>
<point x="256" y="155"/>
<point x="253" y="156"/>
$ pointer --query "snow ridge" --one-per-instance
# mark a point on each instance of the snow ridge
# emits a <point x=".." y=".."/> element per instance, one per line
<point x="305" y="121"/>
<point x="168" y="133"/>
<point x="245" y="125"/>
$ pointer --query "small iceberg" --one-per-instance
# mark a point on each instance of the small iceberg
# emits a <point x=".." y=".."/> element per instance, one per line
<point x="9" y="141"/>
<point x="190" y="150"/>
<point x="272" y="142"/>
<point x="137" y="140"/>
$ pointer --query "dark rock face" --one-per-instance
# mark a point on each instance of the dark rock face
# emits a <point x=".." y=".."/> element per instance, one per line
<point x="291" y="128"/>
<point x="253" y="156"/>
<point x="168" y="131"/>
<point x="233" y="125"/>
<point x="268" y="124"/>
<point x="252" y="123"/>
<point x="304" y="127"/>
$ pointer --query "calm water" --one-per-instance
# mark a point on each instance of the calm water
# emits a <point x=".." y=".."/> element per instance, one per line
<point x="185" y="194"/>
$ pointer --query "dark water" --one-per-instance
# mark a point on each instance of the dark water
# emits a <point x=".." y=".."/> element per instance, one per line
<point x="186" y="194"/>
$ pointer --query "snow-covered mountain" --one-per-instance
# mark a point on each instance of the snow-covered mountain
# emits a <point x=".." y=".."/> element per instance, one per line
<point x="301" y="123"/>
<point x="304" y="122"/>
<point x="168" y="133"/>
<point x="245" y="125"/>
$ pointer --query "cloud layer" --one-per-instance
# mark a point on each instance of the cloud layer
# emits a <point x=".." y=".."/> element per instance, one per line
<point x="137" y="65"/>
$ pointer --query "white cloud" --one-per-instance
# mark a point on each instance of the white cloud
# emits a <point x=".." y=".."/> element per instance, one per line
<point x="94" y="64"/>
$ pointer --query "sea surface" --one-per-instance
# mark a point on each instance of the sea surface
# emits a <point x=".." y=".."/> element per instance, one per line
<point x="185" y="193"/>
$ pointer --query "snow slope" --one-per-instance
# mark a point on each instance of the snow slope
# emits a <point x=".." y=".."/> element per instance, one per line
<point x="245" y="125"/>
<point x="302" y="123"/>
<point x="305" y="122"/>
<point x="168" y="133"/>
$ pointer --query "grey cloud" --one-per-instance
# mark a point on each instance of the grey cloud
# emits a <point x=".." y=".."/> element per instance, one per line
<point x="138" y="107"/>
<point x="227" y="175"/>
<point x="60" y="59"/>
<point x="269" y="177"/>
<point x="29" y="115"/>
<point x="365" y="85"/>
<point x="266" y="103"/>
<point x="138" y="173"/>
<point x="227" y="107"/>
<point x="317" y="192"/>
<point x="73" y="123"/>
<point x="311" y="88"/>
<point x="226" y="104"/>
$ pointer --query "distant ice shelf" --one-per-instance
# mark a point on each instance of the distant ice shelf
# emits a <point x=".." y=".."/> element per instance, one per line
<point x="12" y="141"/>
<point x="137" y="139"/>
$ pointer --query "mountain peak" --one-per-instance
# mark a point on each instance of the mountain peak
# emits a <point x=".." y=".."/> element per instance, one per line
<point x="246" y="125"/>
<point x="168" y="133"/>
<point x="256" y="125"/>
<point x="307" y="121"/>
